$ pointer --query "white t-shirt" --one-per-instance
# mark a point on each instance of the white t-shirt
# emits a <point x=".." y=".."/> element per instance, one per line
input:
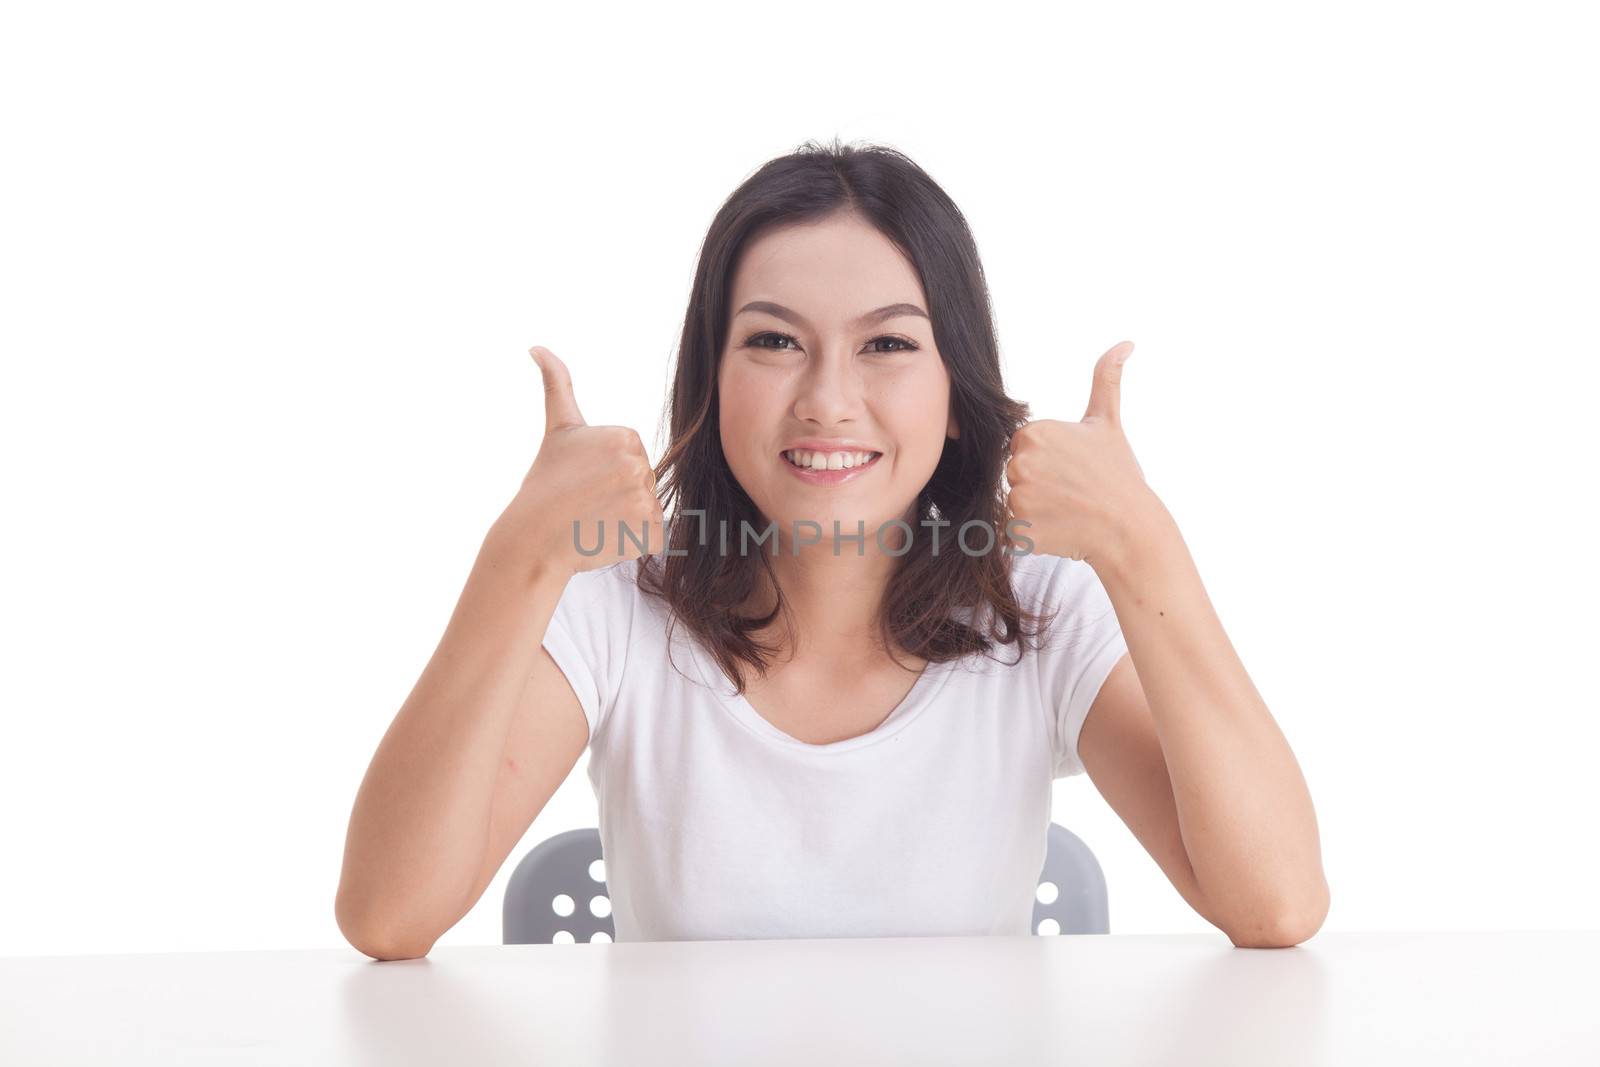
<point x="715" y="824"/>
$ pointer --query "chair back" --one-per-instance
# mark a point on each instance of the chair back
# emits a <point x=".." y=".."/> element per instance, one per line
<point x="1072" y="888"/>
<point x="558" y="891"/>
<point x="559" y="887"/>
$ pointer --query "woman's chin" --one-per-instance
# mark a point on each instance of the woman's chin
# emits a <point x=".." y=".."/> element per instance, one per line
<point x="813" y="527"/>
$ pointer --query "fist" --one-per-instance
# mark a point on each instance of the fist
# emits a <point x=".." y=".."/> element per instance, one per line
<point x="1077" y="485"/>
<point x="598" y="477"/>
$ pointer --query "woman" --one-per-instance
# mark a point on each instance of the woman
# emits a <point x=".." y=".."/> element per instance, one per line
<point x="802" y="716"/>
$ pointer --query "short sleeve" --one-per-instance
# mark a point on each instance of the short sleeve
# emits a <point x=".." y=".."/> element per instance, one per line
<point x="587" y="637"/>
<point x="1082" y="644"/>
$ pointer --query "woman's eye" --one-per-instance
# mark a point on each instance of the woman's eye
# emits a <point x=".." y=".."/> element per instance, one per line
<point x="906" y="346"/>
<point x="757" y="340"/>
<point x="760" y="341"/>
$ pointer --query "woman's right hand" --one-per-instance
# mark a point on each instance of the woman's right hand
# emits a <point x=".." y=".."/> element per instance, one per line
<point x="591" y="474"/>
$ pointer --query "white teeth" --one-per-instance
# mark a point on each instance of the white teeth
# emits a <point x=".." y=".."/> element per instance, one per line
<point x="827" y="461"/>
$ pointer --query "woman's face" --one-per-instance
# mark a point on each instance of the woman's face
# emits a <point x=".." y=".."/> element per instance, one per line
<point x="811" y="369"/>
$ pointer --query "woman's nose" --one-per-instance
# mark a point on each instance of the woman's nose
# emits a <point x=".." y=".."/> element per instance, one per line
<point x="830" y="389"/>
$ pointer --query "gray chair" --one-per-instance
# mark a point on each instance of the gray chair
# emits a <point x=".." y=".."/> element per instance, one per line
<point x="555" y="889"/>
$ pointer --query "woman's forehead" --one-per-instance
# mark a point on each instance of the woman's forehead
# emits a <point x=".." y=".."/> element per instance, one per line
<point x="831" y="269"/>
<point x="824" y="296"/>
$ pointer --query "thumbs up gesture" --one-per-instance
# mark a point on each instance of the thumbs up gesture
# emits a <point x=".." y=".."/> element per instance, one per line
<point x="591" y="475"/>
<point x="1077" y="484"/>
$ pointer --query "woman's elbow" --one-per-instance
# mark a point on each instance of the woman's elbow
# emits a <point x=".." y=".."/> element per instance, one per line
<point x="373" y="940"/>
<point x="1288" y="926"/>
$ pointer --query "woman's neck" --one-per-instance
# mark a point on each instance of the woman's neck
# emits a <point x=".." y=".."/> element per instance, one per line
<point x="834" y="603"/>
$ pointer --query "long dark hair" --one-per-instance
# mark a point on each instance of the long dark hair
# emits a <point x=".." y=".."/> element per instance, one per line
<point x="704" y="589"/>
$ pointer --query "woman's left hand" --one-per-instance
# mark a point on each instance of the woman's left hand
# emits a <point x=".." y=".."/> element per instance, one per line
<point x="1077" y="484"/>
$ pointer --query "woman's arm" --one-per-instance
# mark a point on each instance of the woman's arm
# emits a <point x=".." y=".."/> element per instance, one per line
<point x="426" y="824"/>
<point x="419" y="829"/>
<point x="1242" y="809"/>
<point x="1242" y="806"/>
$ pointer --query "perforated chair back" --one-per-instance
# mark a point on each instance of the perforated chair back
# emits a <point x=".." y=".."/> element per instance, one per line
<point x="1072" y="888"/>
<point x="558" y="887"/>
<point x="558" y="890"/>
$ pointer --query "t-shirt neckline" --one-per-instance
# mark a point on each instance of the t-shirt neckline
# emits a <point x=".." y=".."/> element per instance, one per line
<point x="921" y="694"/>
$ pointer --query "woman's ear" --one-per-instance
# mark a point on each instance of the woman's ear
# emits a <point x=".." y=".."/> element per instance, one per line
<point x="952" y="428"/>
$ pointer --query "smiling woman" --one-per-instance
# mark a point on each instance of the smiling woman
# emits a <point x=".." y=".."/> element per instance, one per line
<point x="845" y="749"/>
<point x="838" y="307"/>
<point x="830" y="735"/>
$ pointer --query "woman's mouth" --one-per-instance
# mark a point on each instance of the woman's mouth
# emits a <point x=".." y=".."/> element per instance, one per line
<point x="828" y="468"/>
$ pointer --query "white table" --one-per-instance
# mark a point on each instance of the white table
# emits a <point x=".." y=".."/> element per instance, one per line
<point x="1340" y="998"/>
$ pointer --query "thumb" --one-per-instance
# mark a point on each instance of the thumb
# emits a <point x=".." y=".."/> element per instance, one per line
<point x="1105" y="398"/>
<point x="560" y="406"/>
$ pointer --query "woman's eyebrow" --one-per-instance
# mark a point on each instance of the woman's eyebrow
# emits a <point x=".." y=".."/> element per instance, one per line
<point x="888" y="311"/>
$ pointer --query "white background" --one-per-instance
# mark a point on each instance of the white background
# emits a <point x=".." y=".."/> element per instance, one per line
<point x="271" y="271"/>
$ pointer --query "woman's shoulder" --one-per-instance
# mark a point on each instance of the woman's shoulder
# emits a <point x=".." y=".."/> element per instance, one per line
<point x="612" y="584"/>
<point x="1038" y="577"/>
<point x="614" y="590"/>
<point x="1067" y="590"/>
<point x="1039" y="585"/>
